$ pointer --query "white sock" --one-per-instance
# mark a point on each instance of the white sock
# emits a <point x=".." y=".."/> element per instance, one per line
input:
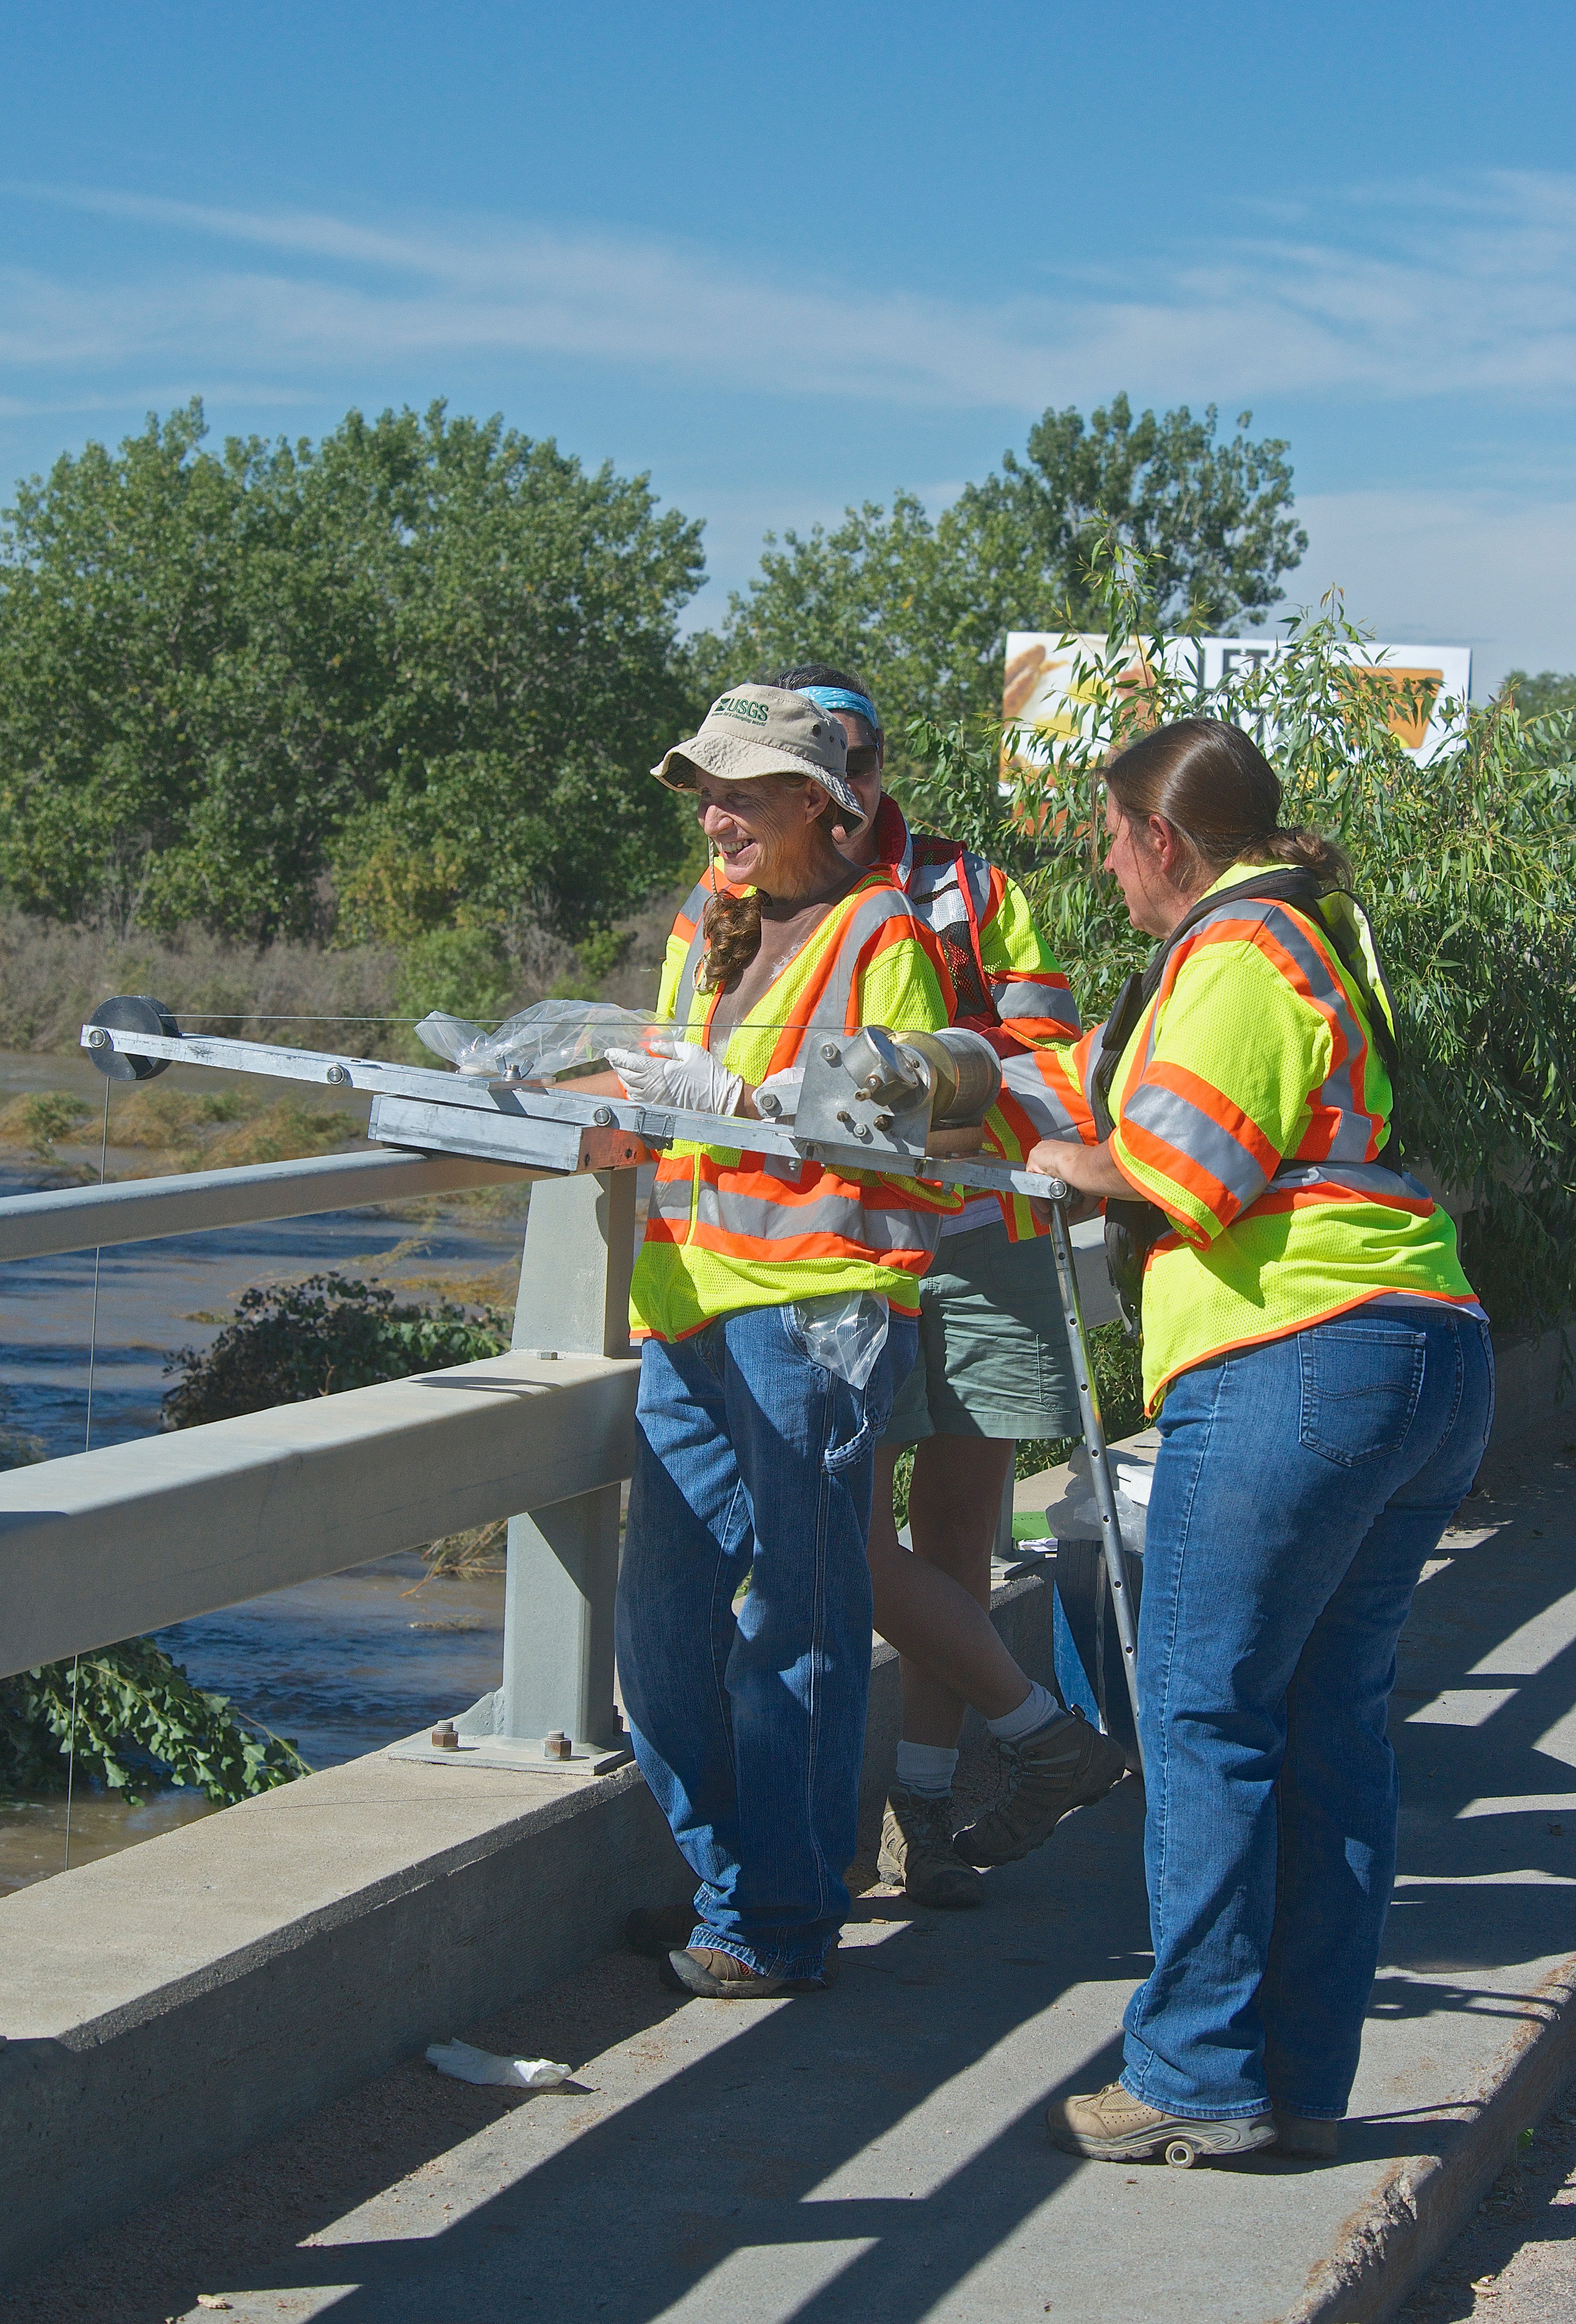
<point x="1038" y="1706"/>
<point x="926" y="1768"/>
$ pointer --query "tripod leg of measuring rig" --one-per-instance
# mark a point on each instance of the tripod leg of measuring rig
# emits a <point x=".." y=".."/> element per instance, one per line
<point x="1115" y="1554"/>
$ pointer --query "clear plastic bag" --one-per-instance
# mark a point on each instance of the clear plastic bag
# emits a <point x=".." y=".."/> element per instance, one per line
<point x="548" y="1038"/>
<point x="1077" y="1514"/>
<point x="844" y="1332"/>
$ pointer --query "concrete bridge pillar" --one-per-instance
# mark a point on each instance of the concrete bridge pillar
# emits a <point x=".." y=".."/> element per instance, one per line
<point x="563" y="1561"/>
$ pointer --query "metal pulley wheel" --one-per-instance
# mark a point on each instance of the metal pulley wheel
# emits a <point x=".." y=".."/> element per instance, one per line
<point x="130" y="1013"/>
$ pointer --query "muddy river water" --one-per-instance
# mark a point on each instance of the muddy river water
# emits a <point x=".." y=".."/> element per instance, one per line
<point x="340" y="1665"/>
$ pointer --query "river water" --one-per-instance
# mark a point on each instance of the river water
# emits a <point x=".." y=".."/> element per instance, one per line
<point x="340" y="1665"/>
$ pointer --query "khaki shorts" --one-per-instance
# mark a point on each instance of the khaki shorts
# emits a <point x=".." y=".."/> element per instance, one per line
<point x="994" y="1357"/>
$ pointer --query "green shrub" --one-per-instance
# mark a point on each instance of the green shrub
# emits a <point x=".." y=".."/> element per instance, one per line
<point x="461" y="971"/>
<point x="37" y="1119"/>
<point x="140" y="1725"/>
<point x="318" y="1338"/>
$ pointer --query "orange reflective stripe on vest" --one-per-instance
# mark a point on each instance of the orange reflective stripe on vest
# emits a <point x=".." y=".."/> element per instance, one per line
<point x="727" y="1227"/>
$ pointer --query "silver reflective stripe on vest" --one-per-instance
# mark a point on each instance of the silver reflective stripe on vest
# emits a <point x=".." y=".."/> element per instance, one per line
<point x="1188" y="1129"/>
<point x="749" y="1216"/>
<point x="1354" y="1128"/>
<point x="844" y="1216"/>
<point x="1342" y="1093"/>
<point x="1371" y="1178"/>
<point x="670" y="1198"/>
<point x="936" y="895"/>
<point x="871" y="912"/>
<point x="1049" y="1116"/>
<point x="1042" y="1000"/>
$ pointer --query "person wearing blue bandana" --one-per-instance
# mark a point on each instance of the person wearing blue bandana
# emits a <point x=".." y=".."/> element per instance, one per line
<point x="993" y="1367"/>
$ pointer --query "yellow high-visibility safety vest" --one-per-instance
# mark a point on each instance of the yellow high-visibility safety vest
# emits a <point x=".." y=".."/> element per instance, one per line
<point x="987" y="939"/>
<point x="728" y="1228"/>
<point x="1251" y="1106"/>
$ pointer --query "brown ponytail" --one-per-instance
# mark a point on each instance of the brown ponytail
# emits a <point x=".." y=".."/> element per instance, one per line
<point x="732" y="933"/>
<point x="1221" y="795"/>
<point x="731" y="924"/>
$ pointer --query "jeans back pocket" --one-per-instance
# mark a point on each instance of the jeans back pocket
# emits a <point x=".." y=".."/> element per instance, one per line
<point x="1360" y="1384"/>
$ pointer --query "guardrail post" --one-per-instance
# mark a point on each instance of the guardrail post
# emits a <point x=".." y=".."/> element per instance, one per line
<point x="563" y="1561"/>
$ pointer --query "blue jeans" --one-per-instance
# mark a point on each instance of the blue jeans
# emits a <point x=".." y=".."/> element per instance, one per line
<point x="1299" y="1488"/>
<point x="750" y="1459"/>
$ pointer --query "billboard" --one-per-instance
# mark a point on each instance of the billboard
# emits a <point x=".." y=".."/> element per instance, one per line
<point x="1041" y="693"/>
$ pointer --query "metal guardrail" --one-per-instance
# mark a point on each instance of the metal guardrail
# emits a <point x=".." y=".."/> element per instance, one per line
<point x="102" y="1546"/>
<point x="98" y="1546"/>
<point x="144" y="1210"/>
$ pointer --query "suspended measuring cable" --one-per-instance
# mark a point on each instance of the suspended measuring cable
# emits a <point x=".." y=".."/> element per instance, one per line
<point x="87" y="1447"/>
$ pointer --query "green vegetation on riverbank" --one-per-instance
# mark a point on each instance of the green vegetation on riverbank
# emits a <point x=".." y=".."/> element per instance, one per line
<point x="296" y="1340"/>
<point x="138" y="1725"/>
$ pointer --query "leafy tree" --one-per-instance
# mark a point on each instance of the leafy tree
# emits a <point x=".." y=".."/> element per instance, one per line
<point x="1550" y="689"/>
<point x="429" y="656"/>
<point x="922" y="608"/>
<point x="1211" y="523"/>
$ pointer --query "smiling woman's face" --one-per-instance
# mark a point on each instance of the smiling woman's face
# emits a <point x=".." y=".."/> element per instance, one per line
<point x="764" y="831"/>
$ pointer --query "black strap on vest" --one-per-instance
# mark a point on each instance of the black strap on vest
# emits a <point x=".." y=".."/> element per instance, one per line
<point x="1132" y="1227"/>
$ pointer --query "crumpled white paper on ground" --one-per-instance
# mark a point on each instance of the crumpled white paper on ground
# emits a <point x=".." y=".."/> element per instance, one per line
<point x="465" y="2064"/>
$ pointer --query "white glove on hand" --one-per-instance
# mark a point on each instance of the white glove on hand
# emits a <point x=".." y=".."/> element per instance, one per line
<point x="785" y="1088"/>
<point x="667" y="1070"/>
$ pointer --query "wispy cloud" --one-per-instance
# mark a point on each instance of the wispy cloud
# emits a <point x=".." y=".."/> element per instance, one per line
<point x="1464" y="287"/>
<point x="1492" y="570"/>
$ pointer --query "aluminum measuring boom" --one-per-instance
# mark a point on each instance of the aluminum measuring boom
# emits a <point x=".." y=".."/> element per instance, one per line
<point x="547" y="1127"/>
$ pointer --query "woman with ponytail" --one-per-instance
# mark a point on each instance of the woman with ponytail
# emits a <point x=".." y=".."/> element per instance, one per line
<point x="1327" y="1385"/>
<point x="776" y="1301"/>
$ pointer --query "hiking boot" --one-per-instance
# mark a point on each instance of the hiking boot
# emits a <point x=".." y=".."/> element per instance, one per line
<point x="1111" y="2126"/>
<point x="655" y="1929"/>
<point x="1313" y="2137"/>
<point x="1065" y="1764"/>
<point x="917" y="1851"/>
<point x="718" y="1977"/>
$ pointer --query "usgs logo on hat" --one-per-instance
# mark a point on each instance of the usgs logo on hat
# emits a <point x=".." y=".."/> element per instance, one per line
<point x="786" y="734"/>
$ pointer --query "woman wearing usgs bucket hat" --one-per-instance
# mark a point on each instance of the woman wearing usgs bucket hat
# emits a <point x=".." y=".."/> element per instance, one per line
<point x="757" y="1423"/>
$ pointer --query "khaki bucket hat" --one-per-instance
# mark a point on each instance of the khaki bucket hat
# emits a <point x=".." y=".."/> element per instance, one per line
<point x="765" y="730"/>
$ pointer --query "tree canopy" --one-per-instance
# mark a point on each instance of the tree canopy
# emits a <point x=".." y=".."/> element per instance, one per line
<point x="922" y="607"/>
<point x="1550" y="689"/>
<point x="413" y="676"/>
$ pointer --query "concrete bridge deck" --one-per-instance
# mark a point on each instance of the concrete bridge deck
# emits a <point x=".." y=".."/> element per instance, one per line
<point x="877" y="2152"/>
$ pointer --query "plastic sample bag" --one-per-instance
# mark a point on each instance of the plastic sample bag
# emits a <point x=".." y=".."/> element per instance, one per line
<point x="1077" y="1515"/>
<point x="550" y="1039"/>
<point x="844" y="1332"/>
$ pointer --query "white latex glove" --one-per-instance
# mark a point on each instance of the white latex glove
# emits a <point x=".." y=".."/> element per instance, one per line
<point x="464" y="2064"/>
<point x="785" y="1088"/>
<point x="667" y="1070"/>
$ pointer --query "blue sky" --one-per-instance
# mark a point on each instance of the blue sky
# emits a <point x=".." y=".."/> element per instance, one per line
<point x="788" y="258"/>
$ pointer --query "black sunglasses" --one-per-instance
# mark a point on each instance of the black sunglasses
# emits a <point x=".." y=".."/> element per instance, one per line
<point x="864" y="759"/>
